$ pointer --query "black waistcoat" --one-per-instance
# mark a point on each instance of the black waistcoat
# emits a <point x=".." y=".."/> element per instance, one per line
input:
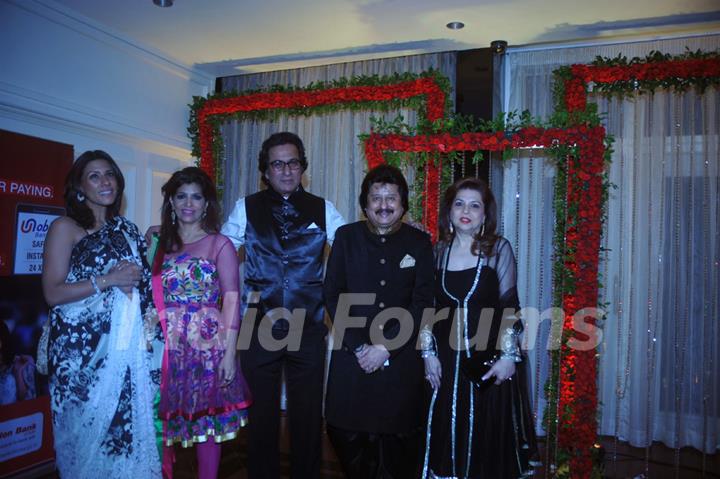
<point x="284" y="245"/>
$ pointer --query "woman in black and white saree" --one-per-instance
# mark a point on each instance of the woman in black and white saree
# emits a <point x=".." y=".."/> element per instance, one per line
<point x="96" y="280"/>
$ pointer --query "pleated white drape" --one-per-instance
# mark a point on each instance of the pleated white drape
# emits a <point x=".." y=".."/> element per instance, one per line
<point x="659" y="376"/>
<point x="336" y="161"/>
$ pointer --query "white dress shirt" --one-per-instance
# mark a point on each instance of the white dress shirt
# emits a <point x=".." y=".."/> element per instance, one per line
<point x="234" y="227"/>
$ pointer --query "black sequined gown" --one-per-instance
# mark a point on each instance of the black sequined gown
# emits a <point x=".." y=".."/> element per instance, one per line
<point x="476" y="431"/>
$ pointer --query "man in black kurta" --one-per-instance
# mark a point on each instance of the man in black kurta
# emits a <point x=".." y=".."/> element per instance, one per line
<point x="374" y="404"/>
<point x="284" y="230"/>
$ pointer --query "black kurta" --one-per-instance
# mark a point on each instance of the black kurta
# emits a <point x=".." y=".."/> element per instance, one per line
<point x="398" y="268"/>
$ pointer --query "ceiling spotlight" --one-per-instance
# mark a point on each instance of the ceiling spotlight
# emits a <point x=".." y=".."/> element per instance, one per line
<point x="498" y="47"/>
<point x="455" y="25"/>
<point x="163" y="3"/>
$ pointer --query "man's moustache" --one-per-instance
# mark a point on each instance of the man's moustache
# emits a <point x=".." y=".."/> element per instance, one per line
<point x="381" y="211"/>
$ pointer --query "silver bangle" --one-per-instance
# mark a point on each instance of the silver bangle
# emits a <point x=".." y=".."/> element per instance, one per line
<point x="427" y="343"/>
<point x="93" y="281"/>
<point x="516" y="358"/>
<point x="510" y="345"/>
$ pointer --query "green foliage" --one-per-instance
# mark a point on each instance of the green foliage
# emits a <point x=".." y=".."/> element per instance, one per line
<point x="454" y="124"/>
<point x="216" y="120"/>
<point x="679" y="83"/>
<point x="566" y="214"/>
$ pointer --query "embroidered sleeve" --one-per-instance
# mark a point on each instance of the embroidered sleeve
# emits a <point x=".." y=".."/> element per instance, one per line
<point x="511" y="326"/>
<point x="426" y="341"/>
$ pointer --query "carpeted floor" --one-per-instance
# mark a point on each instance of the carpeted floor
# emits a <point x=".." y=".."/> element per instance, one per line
<point x="621" y="461"/>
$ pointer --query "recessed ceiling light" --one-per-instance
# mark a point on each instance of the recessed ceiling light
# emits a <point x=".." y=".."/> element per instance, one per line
<point x="455" y="25"/>
<point x="163" y="3"/>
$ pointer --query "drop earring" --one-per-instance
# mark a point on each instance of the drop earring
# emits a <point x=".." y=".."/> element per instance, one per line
<point x="482" y="230"/>
<point x="80" y="197"/>
<point x="172" y="216"/>
<point x="452" y="228"/>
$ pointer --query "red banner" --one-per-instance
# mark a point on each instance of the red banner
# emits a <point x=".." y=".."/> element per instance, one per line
<point x="26" y="438"/>
<point x="31" y="196"/>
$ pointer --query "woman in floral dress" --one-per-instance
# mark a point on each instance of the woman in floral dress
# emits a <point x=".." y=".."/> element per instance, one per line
<point x="204" y="397"/>
<point x="97" y="282"/>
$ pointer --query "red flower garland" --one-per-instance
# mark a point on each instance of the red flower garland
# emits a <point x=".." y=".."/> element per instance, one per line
<point x="589" y="141"/>
<point x="434" y="95"/>
<point x="578" y="370"/>
<point x="691" y="68"/>
<point x="578" y="386"/>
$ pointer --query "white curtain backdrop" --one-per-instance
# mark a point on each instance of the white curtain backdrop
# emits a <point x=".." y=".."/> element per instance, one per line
<point x="659" y="376"/>
<point x="335" y="156"/>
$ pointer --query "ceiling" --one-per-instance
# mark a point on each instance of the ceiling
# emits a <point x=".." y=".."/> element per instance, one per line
<point x="226" y="37"/>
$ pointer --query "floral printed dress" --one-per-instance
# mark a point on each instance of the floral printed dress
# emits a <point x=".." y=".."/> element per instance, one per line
<point x="193" y="404"/>
<point x="101" y="373"/>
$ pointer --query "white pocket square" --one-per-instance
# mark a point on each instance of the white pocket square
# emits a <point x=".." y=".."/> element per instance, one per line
<point x="407" y="262"/>
<point x="313" y="226"/>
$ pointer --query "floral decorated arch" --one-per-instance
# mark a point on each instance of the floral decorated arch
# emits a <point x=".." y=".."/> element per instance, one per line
<point x="573" y="136"/>
<point x="427" y="92"/>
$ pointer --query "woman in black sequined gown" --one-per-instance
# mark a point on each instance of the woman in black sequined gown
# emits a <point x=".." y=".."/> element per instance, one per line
<point x="481" y="426"/>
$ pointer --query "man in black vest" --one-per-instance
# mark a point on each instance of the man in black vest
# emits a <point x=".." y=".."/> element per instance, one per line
<point x="284" y="230"/>
<point x="379" y="281"/>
